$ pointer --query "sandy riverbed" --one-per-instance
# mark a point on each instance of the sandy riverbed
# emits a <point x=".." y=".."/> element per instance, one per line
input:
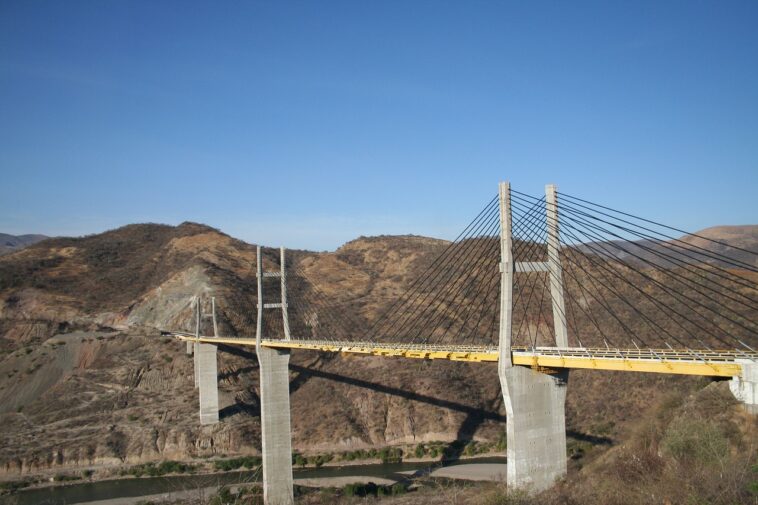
<point x="473" y="471"/>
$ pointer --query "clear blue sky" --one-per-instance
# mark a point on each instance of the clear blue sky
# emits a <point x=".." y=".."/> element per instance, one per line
<point x="307" y="124"/>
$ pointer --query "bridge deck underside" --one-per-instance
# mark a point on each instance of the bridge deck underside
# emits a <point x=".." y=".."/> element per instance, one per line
<point x="672" y="361"/>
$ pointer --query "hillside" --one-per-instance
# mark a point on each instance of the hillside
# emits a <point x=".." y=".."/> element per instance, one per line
<point x="731" y="241"/>
<point x="86" y="380"/>
<point x="11" y="243"/>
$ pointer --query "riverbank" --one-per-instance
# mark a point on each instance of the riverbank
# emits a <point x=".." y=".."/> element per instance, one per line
<point x="431" y="453"/>
<point x="168" y="486"/>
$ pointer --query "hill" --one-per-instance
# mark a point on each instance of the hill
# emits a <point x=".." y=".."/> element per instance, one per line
<point x="87" y="381"/>
<point x="735" y="242"/>
<point x="11" y="243"/>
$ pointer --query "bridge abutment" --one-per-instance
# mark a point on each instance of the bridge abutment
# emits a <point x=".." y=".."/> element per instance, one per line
<point x="207" y="376"/>
<point x="745" y="387"/>
<point x="276" y="443"/>
<point x="536" y="427"/>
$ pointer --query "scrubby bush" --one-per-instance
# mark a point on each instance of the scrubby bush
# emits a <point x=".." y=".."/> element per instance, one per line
<point x="420" y="451"/>
<point x="391" y="454"/>
<point x="690" y="440"/>
<point x="319" y="459"/>
<point x="248" y="462"/>
<point x="299" y="460"/>
<point x="162" y="468"/>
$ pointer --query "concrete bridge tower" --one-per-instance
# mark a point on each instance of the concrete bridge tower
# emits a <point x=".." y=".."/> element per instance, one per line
<point x="534" y="401"/>
<point x="276" y="438"/>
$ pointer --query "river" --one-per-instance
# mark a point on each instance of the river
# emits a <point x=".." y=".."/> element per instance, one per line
<point x="135" y="487"/>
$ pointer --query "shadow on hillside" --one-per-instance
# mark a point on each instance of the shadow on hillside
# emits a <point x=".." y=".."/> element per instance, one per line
<point x="246" y="403"/>
<point x="474" y="416"/>
<point x="240" y="406"/>
<point x="238" y="351"/>
<point x="232" y="373"/>
<point x="586" y="437"/>
<point x="381" y="388"/>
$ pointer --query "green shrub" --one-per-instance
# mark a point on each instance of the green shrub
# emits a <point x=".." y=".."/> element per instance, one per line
<point x="368" y="489"/>
<point x="391" y="455"/>
<point x="248" y="462"/>
<point x="687" y="439"/>
<point x="162" y="468"/>
<point x="420" y="451"/>
<point x="502" y="441"/>
<point x="320" y="459"/>
<point x="299" y="460"/>
<point x="470" y="449"/>
<point x="14" y="485"/>
<point x="753" y="486"/>
<point x="397" y="489"/>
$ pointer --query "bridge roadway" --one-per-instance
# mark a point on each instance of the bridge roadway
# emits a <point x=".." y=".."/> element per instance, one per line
<point x="710" y="363"/>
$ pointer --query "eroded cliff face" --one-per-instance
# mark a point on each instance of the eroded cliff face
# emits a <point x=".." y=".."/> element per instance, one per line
<point x="100" y="399"/>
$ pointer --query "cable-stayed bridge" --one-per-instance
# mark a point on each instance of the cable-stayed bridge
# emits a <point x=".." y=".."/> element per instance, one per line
<point x="539" y="285"/>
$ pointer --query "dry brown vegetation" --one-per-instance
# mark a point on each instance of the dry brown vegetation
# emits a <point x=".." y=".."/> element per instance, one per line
<point x="102" y="399"/>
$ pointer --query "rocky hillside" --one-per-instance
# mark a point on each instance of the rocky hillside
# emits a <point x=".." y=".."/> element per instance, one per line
<point x="87" y="380"/>
<point x="11" y="243"/>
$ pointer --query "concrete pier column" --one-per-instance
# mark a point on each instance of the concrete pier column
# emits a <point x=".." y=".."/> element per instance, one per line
<point x="189" y="347"/>
<point x="536" y="427"/>
<point x="208" y="368"/>
<point x="534" y="402"/>
<point x="196" y="366"/>
<point x="276" y="440"/>
<point x="745" y="387"/>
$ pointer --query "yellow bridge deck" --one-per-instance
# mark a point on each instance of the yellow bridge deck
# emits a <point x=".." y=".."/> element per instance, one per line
<point x="671" y="361"/>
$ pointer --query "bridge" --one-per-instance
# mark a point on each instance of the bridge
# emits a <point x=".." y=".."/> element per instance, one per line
<point x="537" y="285"/>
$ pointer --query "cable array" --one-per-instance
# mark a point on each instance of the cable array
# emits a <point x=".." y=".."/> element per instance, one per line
<point x="628" y="282"/>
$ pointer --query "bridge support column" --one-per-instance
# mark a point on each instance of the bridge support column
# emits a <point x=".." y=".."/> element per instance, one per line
<point x="745" y="387"/>
<point x="208" y="383"/>
<point x="276" y="440"/>
<point x="189" y="347"/>
<point x="534" y="402"/>
<point x="536" y="427"/>
<point x="195" y="363"/>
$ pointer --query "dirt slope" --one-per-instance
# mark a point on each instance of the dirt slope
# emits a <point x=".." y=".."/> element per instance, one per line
<point x="86" y="379"/>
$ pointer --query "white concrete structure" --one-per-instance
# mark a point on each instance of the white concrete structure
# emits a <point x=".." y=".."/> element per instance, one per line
<point x="534" y="402"/>
<point x="745" y="387"/>
<point x="205" y="369"/>
<point x="208" y="383"/>
<point x="276" y="436"/>
<point x="536" y="427"/>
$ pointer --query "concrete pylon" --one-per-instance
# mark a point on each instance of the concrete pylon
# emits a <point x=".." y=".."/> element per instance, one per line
<point x="196" y="362"/>
<point x="196" y="344"/>
<point x="535" y="406"/>
<point x="276" y="438"/>
<point x="534" y="401"/>
<point x="208" y="383"/>
<point x="745" y="386"/>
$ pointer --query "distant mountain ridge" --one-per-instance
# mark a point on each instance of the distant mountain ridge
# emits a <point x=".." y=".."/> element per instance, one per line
<point x="10" y="243"/>
<point x="738" y="242"/>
